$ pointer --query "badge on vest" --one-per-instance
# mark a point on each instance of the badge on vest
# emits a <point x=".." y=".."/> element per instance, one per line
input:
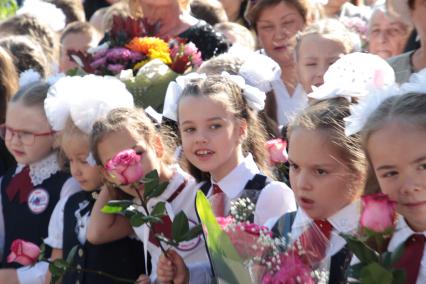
<point x="38" y="200"/>
<point x="191" y="244"/>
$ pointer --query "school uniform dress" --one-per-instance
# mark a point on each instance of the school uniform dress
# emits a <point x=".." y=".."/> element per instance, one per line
<point x="402" y="234"/>
<point x="179" y="195"/>
<point x="337" y="256"/>
<point x="28" y="196"/>
<point x="272" y="200"/>
<point x="67" y="229"/>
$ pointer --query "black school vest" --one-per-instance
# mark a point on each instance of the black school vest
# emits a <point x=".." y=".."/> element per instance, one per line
<point x="251" y="190"/>
<point x="339" y="262"/>
<point x="123" y="258"/>
<point x="29" y="221"/>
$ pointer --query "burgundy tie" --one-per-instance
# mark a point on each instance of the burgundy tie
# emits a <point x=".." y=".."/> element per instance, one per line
<point x="312" y="243"/>
<point x="412" y="257"/>
<point x="20" y="183"/>
<point x="218" y="201"/>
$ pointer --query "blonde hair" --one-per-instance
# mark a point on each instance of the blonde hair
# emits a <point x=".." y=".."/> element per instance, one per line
<point x="327" y="116"/>
<point x="330" y="28"/>
<point x="135" y="121"/>
<point x="214" y="87"/>
<point x="8" y="81"/>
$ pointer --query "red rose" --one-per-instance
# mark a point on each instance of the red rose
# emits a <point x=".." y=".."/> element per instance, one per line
<point x="378" y="213"/>
<point x="277" y="149"/>
<point x="23" y="252"/>
<point x="125" y="168"/>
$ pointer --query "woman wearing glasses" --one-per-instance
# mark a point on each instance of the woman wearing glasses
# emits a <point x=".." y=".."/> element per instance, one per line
<point x="29" y="191"/>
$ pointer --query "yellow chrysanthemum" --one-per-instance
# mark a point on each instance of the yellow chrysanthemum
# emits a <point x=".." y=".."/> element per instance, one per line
<point x="163" y="56"/>
<point x="146" y="45"/>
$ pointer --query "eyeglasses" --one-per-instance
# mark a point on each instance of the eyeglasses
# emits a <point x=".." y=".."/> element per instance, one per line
<point x="27" y="138"/>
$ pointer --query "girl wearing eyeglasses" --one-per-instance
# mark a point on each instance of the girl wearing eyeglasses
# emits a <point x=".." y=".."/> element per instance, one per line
<point x="29" y="191"/>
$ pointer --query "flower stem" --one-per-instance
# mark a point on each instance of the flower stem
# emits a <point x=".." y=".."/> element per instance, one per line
<point x="145" y="207"/>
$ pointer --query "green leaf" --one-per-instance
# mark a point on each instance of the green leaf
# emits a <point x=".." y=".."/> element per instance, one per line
<point x="71" y="254"/>
<point x="7" y="8"/>
<point x="159" y="209"/>
<point x="397" y="253"/>
<point x="192" y="233"/>
<point x="42" y="251"/>
<point x="159" y="189"/>
<point x="363" y="252"/>
<point x="151" y="177"/>
<point x="374" y="273"/>
<point x="180" y="226"/>
<point x="139" y="219"/>
<point x="116" y="206"/>
<point x="399" y="276"/>
<point x="355" y="270"/>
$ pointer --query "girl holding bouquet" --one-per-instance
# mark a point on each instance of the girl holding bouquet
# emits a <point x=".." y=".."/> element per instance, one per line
<point x="225" y="154"/>
<point x="125" y="129"/>
<point x="392" y="124"/>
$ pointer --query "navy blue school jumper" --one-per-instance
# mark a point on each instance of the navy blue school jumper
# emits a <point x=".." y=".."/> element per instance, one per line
<point x="29" y="220"/>
<point x="339" y="262"/>
<point x="122" y="258"/>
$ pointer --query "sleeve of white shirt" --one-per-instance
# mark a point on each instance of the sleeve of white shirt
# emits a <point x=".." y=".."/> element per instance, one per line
<point x="33" y="274"/>
<point x="200" y="273"/>
<point x="56" y="225"/>
<point x="70" y="187"/>
<point x="275" y="200"/>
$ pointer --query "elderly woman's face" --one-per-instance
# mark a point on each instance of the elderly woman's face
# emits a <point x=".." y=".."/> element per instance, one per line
<point x="276" y="28"/>
<point x="387" y="36"/>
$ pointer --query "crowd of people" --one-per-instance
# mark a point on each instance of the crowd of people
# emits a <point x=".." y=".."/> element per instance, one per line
<point x="342" y="82"/>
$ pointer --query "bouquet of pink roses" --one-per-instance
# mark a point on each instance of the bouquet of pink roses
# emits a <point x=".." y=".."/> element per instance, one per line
<point x="244" y="252"/>
<point x="145" y="63"/>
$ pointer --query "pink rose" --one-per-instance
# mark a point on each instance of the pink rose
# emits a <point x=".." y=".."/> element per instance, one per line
<point x="224" y="221"/>
<point x="292" y="270"/>
<point x="23" y="252"/>
<point x="378" y="213"/>
<point x="125" y="167"/>
<point x="277" y="149"/>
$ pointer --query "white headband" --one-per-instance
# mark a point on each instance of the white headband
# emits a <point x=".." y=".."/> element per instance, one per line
<point x="354" y="75"/>
<point x="254" y="97"/>
<point x="366" y="106"/>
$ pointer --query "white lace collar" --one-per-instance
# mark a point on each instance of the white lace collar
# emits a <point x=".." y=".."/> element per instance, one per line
<point x="42" y="170"/>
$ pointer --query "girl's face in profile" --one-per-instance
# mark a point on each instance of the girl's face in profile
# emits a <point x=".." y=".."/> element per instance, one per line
<point x="398" y="156"/>
<point x="211" y="135"/>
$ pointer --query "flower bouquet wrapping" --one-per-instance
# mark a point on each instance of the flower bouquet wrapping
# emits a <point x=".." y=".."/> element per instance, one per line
<point x="244" y="252"/>
<point x="377" y="224"/>
<point x="145" y="63"/>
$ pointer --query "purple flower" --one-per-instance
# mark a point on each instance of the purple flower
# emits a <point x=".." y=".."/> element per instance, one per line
<point x="118" y="53"/>
<point x="98" y="62"/>
<point x="115" y="68"/>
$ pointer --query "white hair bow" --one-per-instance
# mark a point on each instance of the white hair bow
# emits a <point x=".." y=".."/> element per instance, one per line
<point x="366" y="106"/>
<point x="45" y="12"/>
<point x="255" y="98"/>
<point x="174" y="92"/>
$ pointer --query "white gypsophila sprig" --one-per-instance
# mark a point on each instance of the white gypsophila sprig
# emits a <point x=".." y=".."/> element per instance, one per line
<point x="242" y="209"/>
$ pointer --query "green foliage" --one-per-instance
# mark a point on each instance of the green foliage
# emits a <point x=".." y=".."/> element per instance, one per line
<point x="7" y="8"/>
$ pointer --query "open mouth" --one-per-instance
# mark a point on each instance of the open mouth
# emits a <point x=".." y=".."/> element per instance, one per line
<point x="204" y="153"/>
